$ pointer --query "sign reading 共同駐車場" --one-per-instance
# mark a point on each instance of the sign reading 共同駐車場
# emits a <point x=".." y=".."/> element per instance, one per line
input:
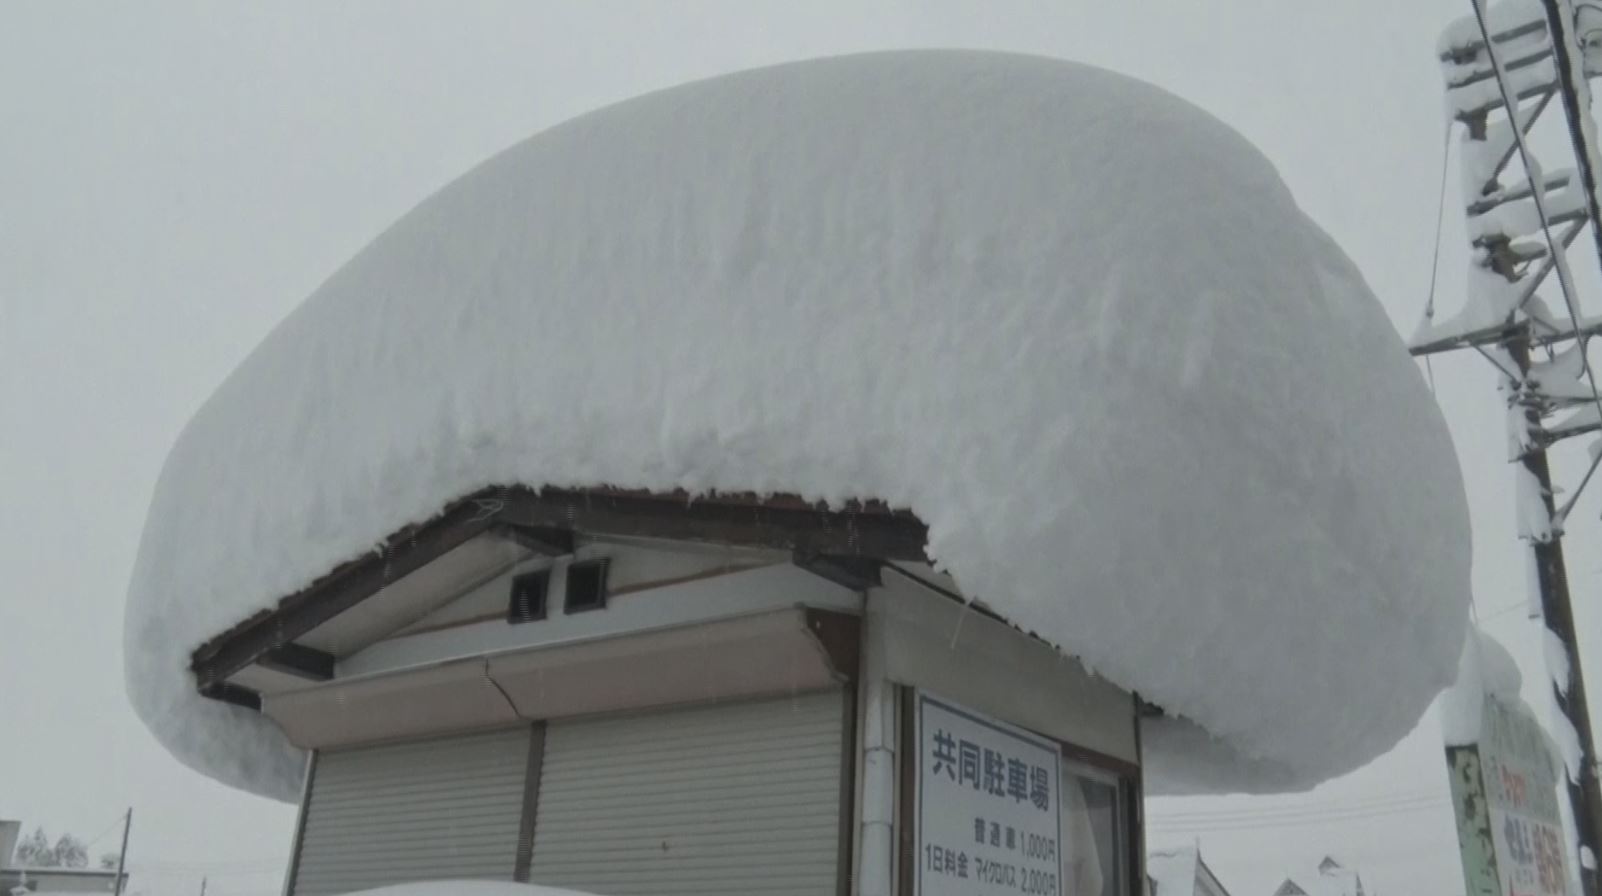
<point x="987" y="806"/>
<point x="1504" y="789"/>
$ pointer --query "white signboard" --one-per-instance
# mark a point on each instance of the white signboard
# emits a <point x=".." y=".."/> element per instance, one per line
<point x="988" y="814"/>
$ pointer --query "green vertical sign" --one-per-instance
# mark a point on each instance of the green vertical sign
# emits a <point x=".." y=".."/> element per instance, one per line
<point x="1476" y="846"/>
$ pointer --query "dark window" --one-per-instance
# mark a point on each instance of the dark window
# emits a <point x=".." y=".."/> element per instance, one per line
<point x="586" y="586"/>
<point x="528" y="597"/>
<point x="1095" y="832"/>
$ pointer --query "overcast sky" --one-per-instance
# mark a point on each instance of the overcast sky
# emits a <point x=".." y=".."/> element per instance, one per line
<point x="175" y="177"/>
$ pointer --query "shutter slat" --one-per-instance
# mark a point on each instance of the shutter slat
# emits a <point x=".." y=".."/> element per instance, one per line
<point x="745" y="796"/>
<point x="427" y="810"/>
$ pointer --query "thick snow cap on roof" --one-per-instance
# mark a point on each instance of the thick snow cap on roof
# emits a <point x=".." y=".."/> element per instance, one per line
<point x="1148" y="410"/>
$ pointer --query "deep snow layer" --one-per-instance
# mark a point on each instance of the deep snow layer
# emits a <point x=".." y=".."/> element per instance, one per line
<point x="1484" y="668"/>
<point x="1147" y="408"/>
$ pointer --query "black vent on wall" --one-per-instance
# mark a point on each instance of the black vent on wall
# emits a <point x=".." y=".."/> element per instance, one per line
<point x="527" y="603"/>
<point x="586" y="586"/>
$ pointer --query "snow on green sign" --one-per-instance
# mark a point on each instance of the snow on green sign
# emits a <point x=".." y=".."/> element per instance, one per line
<point x="1504" y="790"/>
<point x="987" y="806"/>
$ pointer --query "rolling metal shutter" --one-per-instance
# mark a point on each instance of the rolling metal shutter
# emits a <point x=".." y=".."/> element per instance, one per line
<point x="446" y="807"/>
<point x="728" y="798"/>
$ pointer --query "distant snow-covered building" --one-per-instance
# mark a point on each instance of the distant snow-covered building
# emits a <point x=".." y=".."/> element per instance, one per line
<point x="19" y="879"/>
<point x="1182" y="872"/>
<point x="859" y="476"/>
<point x="1330" y="878"/>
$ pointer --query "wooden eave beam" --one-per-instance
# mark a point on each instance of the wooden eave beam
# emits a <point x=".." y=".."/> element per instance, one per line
<point x="856" y="573"/>
<point x="544" y="541"/>
<point x="300" y="661"/>
<point x="781" y="523"/>
<point x="838" y="636"/>
<point x="238" y="695"/>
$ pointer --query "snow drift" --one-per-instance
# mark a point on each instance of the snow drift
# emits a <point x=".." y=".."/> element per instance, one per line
<point x="1147" y="409"/>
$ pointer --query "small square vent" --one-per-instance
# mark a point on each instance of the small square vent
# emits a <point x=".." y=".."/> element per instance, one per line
<point x="527" y="603"/>
<point x="586" y="586"/>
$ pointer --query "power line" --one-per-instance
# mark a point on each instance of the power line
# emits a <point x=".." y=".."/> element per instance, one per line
<point x="115" y="823"/>
<point x="1435" y="255"/>
<point x="1303" y="809"/>
<point x="1158" y="824"/>
<point x="1440" y="218"/>
<point x="1311" y="816"/>
<point x="1504" y="610"/>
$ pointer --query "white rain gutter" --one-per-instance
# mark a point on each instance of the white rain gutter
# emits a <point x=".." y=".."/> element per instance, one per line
<point x="876" y="837"/>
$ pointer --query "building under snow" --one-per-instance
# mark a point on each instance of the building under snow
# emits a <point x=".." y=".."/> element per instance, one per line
<point x="1181" y="872"/>
<point x="866" y="475"/>
<point x="17" y="879"/>
<point x="1330" y="878"/>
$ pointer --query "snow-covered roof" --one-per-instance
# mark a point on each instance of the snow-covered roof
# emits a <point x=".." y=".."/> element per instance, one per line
<point x="1146" y="407"/>
<point x="1329" y="878"/>
<point x="1172" y="871"/>
<point x="1182" y="872"/>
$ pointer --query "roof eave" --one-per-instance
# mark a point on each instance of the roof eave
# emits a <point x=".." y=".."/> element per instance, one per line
<point x="547" y="520"/>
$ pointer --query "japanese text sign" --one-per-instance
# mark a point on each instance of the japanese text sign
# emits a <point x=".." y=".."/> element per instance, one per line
<point x="989" y="820"/>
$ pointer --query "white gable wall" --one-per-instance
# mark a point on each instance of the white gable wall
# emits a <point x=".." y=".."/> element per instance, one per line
<point x="695" y="588"/>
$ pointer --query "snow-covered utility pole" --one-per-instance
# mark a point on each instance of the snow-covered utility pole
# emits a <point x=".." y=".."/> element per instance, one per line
<point x="1503" y="66"/>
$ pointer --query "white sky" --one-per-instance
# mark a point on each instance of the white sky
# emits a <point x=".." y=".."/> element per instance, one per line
<point x="175" y="177"/>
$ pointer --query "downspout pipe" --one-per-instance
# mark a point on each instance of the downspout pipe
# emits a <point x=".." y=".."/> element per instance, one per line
<point x="876" y="837"/>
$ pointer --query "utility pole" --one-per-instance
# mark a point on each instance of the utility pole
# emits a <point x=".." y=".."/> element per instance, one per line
<point x="1569" y="51"/>
<point x="1558" y="615"/>
<point x="1500" y="75"/>
<point x="122" y="854"/>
